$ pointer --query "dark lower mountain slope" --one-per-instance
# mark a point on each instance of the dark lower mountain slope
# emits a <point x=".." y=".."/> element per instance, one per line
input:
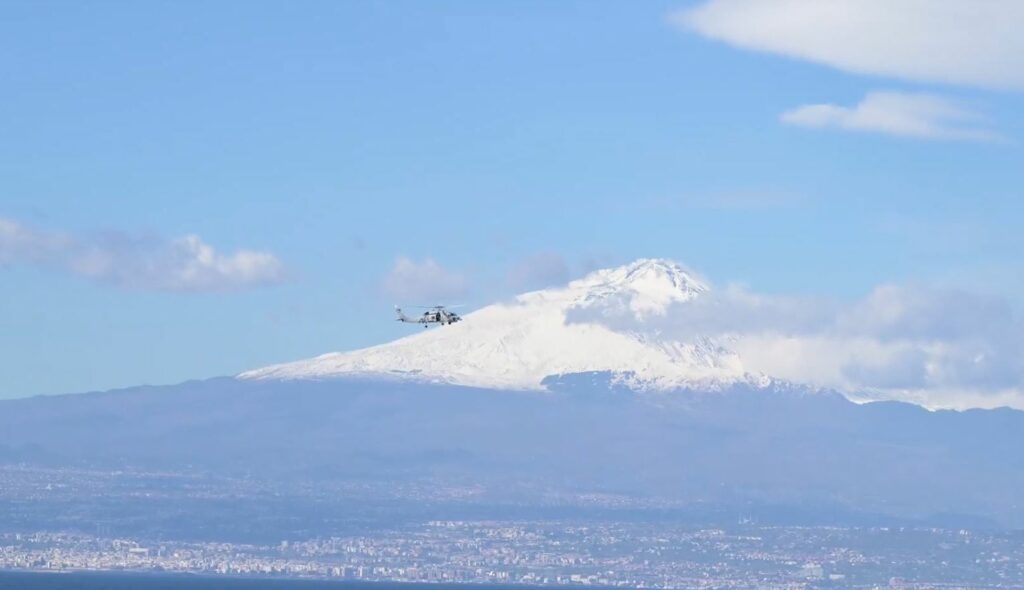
<point x="741" y="447"/>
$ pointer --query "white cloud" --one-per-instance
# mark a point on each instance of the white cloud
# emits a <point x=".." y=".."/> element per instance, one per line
<point x="935" y="347"/>
<point x="923" y="116"/>
<point x="425" y="282"/>
<point x="140" y="262"/>
<point x="538" y="271"/>
<point x="968" y="42"/>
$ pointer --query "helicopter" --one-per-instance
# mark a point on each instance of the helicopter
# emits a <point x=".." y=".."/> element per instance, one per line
<point x="437" y="314"/>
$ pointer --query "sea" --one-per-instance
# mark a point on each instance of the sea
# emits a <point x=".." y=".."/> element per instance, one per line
<point x="15" y="580"/>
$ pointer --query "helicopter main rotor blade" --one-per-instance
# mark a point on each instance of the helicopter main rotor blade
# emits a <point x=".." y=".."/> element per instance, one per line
<point x="456" y="306"/>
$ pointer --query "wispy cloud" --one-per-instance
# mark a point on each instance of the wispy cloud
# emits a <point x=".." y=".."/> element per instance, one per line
<point x="138" y="262"/>
<point x="951" y="41"/>
<point x="538" y="271"/>
<point x="916" y="115"/>
<point x="425" y="282"/>
<point x="733" y="200"/>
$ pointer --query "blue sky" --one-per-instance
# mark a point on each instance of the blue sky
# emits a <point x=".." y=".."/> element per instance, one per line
<point x="380" y="153"/>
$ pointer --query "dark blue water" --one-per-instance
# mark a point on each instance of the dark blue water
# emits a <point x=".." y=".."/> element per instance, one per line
<point x="10" y="580"/>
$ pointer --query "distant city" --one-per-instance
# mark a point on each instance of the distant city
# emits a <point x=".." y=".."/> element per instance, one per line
<point x="565" y="553"/>
<point x="75" y="520"/>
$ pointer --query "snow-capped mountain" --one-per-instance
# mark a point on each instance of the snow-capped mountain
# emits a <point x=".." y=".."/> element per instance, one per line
<point x="552" y="332"/>
<point x="754" y="447"/>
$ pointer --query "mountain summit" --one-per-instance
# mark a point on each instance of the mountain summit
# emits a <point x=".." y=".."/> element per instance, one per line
<point x="551" y="333"/>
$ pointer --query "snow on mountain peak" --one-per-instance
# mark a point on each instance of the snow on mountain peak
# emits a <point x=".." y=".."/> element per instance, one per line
<point x="516" y="345"/>
<point x="647" y="287"/>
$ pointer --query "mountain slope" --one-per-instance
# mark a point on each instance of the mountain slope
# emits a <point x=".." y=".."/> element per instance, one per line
<point x="516" y="345"/>
<point x="736" y="451"/>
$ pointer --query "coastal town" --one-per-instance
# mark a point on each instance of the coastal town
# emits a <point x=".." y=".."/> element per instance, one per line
<point x="635" y="555"/>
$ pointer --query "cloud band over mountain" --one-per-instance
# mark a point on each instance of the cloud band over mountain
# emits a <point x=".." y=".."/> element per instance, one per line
<point x="931" y="346"/>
